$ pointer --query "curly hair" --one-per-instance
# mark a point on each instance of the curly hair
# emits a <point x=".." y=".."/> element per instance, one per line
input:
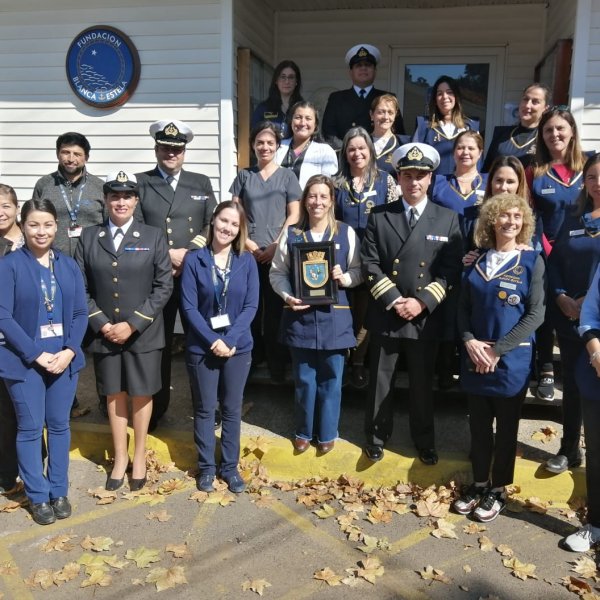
<point x="485" y="233"/>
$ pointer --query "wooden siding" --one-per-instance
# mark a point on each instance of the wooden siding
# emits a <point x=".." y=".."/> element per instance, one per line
<point x="560" y="22"/>
<point x="590" y="130"/>
<point x="180" y="53"/>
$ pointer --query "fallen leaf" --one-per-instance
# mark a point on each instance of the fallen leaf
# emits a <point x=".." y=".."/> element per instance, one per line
<point x="178" y="550"/>
<point x="258" y="446"/>
<point x="473" y="528"/>
<point x="79" y="412"/>
<point x="376" y="515"/>
<point x="138" y="582"/>
<point x="567" y="513"/>
<point x="161" y="516"/>
<point x="104" y="496"/>
<point x="432" y="505"/>
<point x="467" y="568"/>
<point x="199" y="497"/>
<point x="328" y="576"/>
<point x="114" y="561"/>
<point x="166" y="578"/>
<point x="370" y="544"/>
<point x="351" y="579"/>
<point x="255" y="585"/>
<point x="545" y="434"/>
<point x="68" y="572"/>
<point x="59" y="543"/>
<point x="519" y="569"/>
<point x="142" y="556"/>
<point x="265" y="501"/>
<point x="97" y="544"/>
<point x="444" y="529"/>
<point x="221" y="498"/>
<point x="43" y="577"/>
<point x="370" y="569"/>
<point x="429" y="573"/>
<point x="92" y="563"/>
<point x="99" y="578"/>
<point x="8" y="568"/>
<point x="171" y="485"/>
<point x="578" y="586"/>
<point x="325" y="511"/>
<point x="485" y="544"/>
<point x="536" y="505"/>
<point x="12" y="505"/>
<point x="505" y="550"/>
<point x="585" y="566"/>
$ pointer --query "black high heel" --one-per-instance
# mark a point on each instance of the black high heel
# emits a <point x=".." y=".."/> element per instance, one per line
<point x="112" y="485"/>
<point x="135" y="485"/>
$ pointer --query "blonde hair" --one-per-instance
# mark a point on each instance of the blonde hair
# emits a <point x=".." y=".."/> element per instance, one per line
<point x="491" y="209"/>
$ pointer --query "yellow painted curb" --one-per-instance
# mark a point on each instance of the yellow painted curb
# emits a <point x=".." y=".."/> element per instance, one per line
<point x="92" y="441"/>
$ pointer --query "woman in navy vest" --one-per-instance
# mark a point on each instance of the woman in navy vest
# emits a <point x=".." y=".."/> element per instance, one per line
<point x="445" y="121"/>
<point x="43" y="318"/>
<point x="555" y="180"/>
<point x="219" y="299"/>
<point x="384" y="111"/>
<point x="501" y="305"/>
<point x="571" y="266"/>
<point x="360" y="186"/>
<point x="588" y="380"/>
<point x="318" y="335"/>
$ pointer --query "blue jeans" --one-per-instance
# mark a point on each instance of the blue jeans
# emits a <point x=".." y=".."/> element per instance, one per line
<point x="215" y="380"/>
<point x="43" y="398"/>
<point x="318" y="381"/>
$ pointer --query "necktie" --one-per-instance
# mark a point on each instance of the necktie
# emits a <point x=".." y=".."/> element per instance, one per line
<point x="170" y="179"/>
<point x="117" y="237"/>
<point x="412" y="219"/>
<point x="362" y="94"/>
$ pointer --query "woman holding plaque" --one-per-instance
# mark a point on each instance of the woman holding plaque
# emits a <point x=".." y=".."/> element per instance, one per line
<point x="318" y="335"/>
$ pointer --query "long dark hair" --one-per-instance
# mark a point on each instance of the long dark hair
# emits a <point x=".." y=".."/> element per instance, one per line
<point x="273" y="100"/>
<point x="512" y="162"/>
<point x="316" y="136"/>
<point x="584" y="202"/>
<point x="458" y="117"/>
<point x="40" y="204"/>
<point x="239" y="242"/>
<point x="344" y="176"/>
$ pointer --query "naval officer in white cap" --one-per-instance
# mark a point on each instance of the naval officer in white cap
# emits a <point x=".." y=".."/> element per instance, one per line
<point x="180" y="203"/>
<point x="411" y="256"/>
<point x="350" y="108"/>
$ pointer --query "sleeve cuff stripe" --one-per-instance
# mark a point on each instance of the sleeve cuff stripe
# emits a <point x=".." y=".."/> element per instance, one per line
<point x="383" y="290"/>
<point x="437" y="291"/>
<point x="199" y="241"/>
<point x="382" y="282"/>
<point x="98" y="312"/>
<point x="139" y="314"/>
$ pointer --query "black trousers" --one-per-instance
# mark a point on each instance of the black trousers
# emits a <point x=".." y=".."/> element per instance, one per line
<point x="8" y="438"/>
<point x="591" y="423"/>
<point x="420" y="362"/>
<point x="494" y="453"/>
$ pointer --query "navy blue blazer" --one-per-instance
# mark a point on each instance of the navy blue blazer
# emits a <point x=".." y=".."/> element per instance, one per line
<point x="20" y="297"/>
<point x="198" y="302"/>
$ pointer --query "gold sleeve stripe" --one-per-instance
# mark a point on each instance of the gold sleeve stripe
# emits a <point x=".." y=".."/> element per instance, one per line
<point x="200" y="241"/>
<point x="436" y="290"/>
<point x="383" y="290"/>
<point x="139" y="314"/>
<point x="380" y="283"/>
<point x="98" y="312"/>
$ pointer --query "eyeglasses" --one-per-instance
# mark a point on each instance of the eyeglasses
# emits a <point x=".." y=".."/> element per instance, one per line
<point x="562" y="107"/>
<point x="287" y="78"/>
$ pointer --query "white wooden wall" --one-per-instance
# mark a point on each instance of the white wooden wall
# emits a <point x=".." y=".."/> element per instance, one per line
<point x="591" y="114"/>
<point x="180" y="53"/>
<point x="318" y="41"/>
<point x="254" y="28"/>
<point x="560" y="21"/>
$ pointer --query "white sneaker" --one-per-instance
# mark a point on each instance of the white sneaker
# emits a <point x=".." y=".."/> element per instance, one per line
<point x="583" y="539"/>
<point x="491" y="505"/>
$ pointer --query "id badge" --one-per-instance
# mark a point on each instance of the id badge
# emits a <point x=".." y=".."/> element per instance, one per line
<point x="220" y="322"/>
<point x="50" y="331"/>
<point x="75" y="231"/>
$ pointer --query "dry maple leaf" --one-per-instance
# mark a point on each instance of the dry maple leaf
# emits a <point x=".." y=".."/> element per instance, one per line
<point x="585" y="566"/>
<point x="485" y="544"/>
<point x="567" y="513"/>
<point x="519" y="569"/>
<point x="8" y="568"/>
<point x="97" y="544"/>
<point x="429" y="573"/>
<point x="444" y="529"/>
<point x="353" y="506"/>
<point x="44" y="578"/>
<point x="199" y="497"/>
<point x="68" y="572"/>
<point x="178" y="550"/>
<point x="59" y="543"/>
<point x="114" y="561"/>
<point x="376" y="515"/>
<point x="346" y="520"/>
<point x="353" y="532"/>
<point x="221" y="498"/>
<point x="166" y="578"/>
<point x="370" y="569"/>
<point x="258" y="446"/>
<point x="545" y="434"/>
<point x="505" y="551"/>
<point x="578" y="586"/>
<point x="99" y="578"/>
<point x="328" y="576"/>
<point x="104" y="496"/>
<point x="161" y="516"/>
<point x="171" y="485"/>
<point x="325" y="511"/>
<point x="536" y="505"/>
<point x="12" y="505"/>
<point x="467" y="568"/>
<point x="473" y="528"/>
<point x="432" y="506"/>
<point x="142" y="556"/>
<point x="255" y="585"/>
<point x="92" y="563"/>
<point x="370" y="544"/>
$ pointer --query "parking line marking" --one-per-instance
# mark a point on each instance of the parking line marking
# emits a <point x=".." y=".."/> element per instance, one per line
<point x="416" y="537"/>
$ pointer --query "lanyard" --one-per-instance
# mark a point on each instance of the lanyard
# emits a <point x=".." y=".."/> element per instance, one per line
<point x="221" y="299"/>
<point x="73" y="210"/>
<point x="49" y="300"/>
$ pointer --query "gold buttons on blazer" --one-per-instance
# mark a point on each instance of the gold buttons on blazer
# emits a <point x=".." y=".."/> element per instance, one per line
<point x="114" y="264"/>
<point x="115" y="279"/>
<point x="422" y="263"/>
<point x="191" y="230"/>
<point x="168" y="219"/>
<point x="169" y="231"/>
<point x="419" y="289"/>
<point x="394" y="272"/>
<point x="117" y="310"/>
<point x="189" y="218"/>
<point x="420" y="275"/>
<point x="396" y="260"/>
<point x="116" y="294"/>
<point x="170" y="242"/>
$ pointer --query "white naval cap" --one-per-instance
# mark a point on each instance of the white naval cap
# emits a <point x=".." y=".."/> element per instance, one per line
<point x="120" y="181"/>
<point x="416" y="155"/>
<point x="362" y="52"/>
<point x="171" y="133"/>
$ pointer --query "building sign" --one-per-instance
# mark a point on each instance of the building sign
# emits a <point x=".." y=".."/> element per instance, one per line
<point x="103" y="67"/>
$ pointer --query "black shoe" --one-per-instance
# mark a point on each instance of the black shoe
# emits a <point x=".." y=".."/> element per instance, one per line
<point x="61" y="507"/>
<point x="470" y="498"/>
<point x="561" y="462"/>
<point x="42" y="513"/>
<point x="359" y="378"/>
<point x="112" y="485"/>
<point x="218" y="419"/>
<point x="428" y="456"/>
<point x="545" y="388"/>
<point x="205" y="482"/>
<point x="234" y="482"/>
<point x="102" y="407"/>
<point x="135" y="485"/>
<point x="374" y="453"/>
<point x="7" y="485"/>
<point x="153" y="424"/>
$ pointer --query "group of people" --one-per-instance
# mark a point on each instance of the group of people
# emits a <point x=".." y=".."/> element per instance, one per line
<point x="434" y="248"/>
